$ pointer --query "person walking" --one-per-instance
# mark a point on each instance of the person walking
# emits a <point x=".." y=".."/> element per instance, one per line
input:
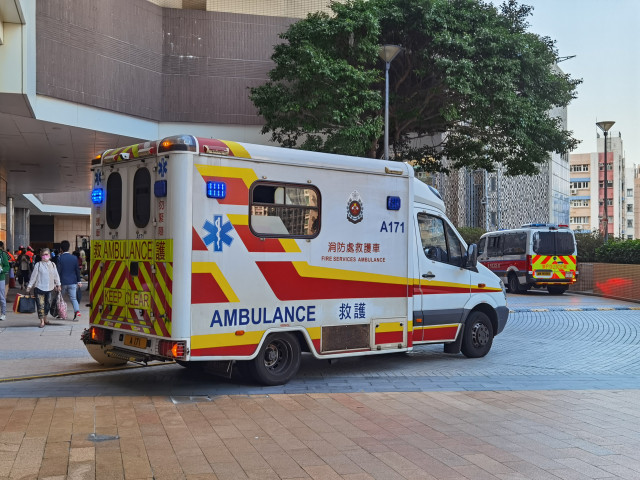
<point x="24" y="268"/>
<point x="4" y="277"/>
<point x="69" y="277"/>
<point x="44" y="280"/>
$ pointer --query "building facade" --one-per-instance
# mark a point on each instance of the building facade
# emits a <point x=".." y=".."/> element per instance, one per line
<point x="587" y="189"/>
<point x="494" y="200"/>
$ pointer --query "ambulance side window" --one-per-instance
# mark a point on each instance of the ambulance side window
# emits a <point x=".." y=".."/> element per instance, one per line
<point x="284" y="210"/>
<point x="141" y="197"/>
<point x="434" y="242"/>
<point x="481" y="246"/>
<point x="114" y="200"/>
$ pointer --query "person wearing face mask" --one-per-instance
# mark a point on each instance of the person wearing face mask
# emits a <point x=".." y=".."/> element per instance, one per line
<point x="44" y="280"/>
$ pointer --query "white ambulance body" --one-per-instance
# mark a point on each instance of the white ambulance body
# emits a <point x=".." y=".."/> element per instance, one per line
<point x="235" y="254"/>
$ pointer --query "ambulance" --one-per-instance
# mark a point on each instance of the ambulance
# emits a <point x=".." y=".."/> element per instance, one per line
<point x="242" y="257"/>
<point x="536" y="255"/>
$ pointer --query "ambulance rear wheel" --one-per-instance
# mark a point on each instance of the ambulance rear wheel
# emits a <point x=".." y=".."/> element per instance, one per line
<point x="278" y="359"/>
<point x="478" y="335"/>
<point x="99" y="355"/>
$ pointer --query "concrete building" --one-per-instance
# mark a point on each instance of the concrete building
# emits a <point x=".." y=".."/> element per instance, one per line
<point x="494" y="200"/>
<point x="587" y="188"/>
<point x="79" y="77"/>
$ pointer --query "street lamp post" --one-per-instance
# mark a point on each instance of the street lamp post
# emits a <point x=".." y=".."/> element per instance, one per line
<point x="387" y="53"/>
<point x="605" y="126"/>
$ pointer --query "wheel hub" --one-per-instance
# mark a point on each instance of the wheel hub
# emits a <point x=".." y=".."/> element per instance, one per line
<point x="480" y="334"/>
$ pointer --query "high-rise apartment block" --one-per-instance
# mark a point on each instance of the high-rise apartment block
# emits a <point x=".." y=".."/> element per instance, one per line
<point x="587" y="189"/>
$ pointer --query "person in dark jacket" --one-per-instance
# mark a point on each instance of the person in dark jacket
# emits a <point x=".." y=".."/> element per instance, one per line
<point x="69" y="277"/>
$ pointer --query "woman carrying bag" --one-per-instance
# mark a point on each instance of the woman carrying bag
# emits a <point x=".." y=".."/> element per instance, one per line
<point x="44" y="280"/>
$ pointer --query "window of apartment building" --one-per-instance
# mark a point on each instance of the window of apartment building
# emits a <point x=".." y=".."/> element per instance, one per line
<point x="629" y="207"/>
<point x="579" y="168"/>
<point x="579" y="184"/>
<point x="629" y="223"/>
<point x="609" y="183"/>
<point x="629" y="192"/>
<point x="579" y="220"/>
<point x="609" y="202"/>
<point x="579" y="203"/>
<point x="609" y="166"/>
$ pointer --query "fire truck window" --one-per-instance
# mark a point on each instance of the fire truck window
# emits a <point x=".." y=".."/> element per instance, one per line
<point x="553" y="243"/>
<point x="515" y="244"/>
<point x="494" y="246"/>
<point x="141" y="197"/>
<point x="481" y="245"/>
<point x="283" y="210"/>
<point x="114" y="200"/>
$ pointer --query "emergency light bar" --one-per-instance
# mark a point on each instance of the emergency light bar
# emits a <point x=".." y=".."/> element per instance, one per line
<point x="216" y="189"/>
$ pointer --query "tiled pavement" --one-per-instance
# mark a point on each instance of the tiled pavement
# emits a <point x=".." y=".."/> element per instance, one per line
<point x="439" y="435"/>
<point x="384" y="428"/>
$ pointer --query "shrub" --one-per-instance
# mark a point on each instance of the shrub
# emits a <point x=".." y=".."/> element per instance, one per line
<point x="471" y="234"/>
<point x="619" y="251"/>
<point x="588" y="243"/>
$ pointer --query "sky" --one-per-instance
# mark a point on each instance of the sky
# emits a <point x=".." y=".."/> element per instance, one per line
<point x="604" y="37"/>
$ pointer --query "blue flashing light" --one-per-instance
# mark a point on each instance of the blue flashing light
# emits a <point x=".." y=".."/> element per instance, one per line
<point x="97" y="195"/>
<point x="393" y="203"/>
<point x="160" y="188"/>
<point x="216" y="189"/>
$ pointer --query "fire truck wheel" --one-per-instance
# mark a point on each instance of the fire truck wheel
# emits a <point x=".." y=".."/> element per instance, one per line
<point x="278" y="359"/>
<point x="514" y="284"/>
<point x="478" y="335"/>
<point x="99" y="355"/>
<point x="553" y="290"/>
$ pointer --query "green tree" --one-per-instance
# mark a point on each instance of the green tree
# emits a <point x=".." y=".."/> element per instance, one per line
<point x="471" y="234"/>
<point x="472" y="85"/>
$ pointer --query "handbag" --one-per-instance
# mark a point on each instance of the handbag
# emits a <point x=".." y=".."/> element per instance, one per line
<point x="79" y="294"/>
<point x="62" y="307"/>
<point x="24" y="304"/>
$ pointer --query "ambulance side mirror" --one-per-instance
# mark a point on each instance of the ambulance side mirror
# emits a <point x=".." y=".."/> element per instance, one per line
<point x="471" y="258"/>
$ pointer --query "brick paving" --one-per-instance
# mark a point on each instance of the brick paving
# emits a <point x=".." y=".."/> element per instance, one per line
<point x="437" y="435"/>
<point x="555" y="399"/>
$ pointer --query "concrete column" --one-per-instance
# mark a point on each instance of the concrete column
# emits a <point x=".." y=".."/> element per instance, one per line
<point x="10" y="228"/>
<point x="22" y="233"/>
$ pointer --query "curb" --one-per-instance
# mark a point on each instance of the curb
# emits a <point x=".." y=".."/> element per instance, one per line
<point x="570" y="309"/>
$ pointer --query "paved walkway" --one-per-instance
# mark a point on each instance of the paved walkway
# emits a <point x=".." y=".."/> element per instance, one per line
<point x="543" y="434"/>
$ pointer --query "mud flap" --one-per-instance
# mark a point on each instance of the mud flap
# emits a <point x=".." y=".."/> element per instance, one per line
<point x="454" y="347"/>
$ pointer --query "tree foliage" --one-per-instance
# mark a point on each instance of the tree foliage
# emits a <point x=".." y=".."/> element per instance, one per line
<point x="472" y="85"/>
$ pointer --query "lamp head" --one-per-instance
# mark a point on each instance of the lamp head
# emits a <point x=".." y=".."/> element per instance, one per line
<point x="389" y="52"/>
<point x="605" y="125"/>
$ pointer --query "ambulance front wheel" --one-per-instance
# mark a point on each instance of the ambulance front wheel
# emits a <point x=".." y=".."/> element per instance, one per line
<point x="99" y="355"/>
<point x="278" y="360"/>
<point x="477" y="337"/>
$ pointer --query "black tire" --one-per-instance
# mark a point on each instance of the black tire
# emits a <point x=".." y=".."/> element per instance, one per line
<point x="514" y="284"/>
<point x="278" y="359"/>
<point x="556" y="290"/>
<point x="478" y="335"/>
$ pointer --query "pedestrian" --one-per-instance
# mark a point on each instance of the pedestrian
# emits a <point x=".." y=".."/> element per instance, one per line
<point x="24" y="268"/>
<point x="69" y="277"/>
<point x="44" y="280"/>
<point x="4" y="277"/>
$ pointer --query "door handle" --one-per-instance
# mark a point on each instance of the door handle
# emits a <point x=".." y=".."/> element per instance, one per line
<point x="428" y="275"/>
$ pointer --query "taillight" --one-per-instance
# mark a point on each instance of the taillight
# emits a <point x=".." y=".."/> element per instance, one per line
<point x="98" y="335"/>
<point x="169" y="348"/>
<point x="529" y="269"/>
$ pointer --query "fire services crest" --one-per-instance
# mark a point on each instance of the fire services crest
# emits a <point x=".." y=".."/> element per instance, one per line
<point x="354" y="207"/>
